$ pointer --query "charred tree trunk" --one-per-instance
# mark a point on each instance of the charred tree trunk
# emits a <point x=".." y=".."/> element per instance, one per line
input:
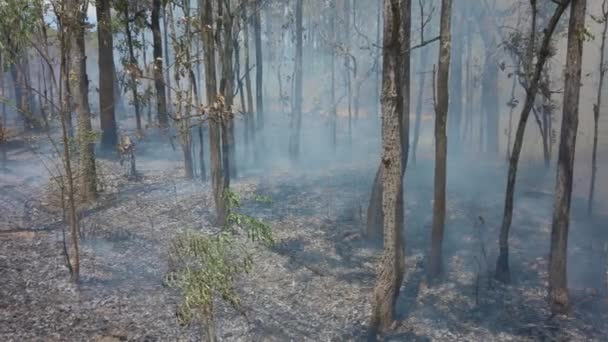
<point x="558" y="255"/>
<point x="596" y="108"/>
<point x="109" y="137"/>
<point x="502" y="264"/>
<point x="296" y="116"/>
<point x="157" y="53"/>
<point x="390" y="274"/>
<point x="441" y="140"/>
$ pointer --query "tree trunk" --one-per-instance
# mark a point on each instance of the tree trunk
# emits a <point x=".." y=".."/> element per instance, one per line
<point x="441" y="140"/>
<point x="455" y="118"/>
<point x="109" y="138"/>
<point x="157" y="53"/>
<point x="250" y="111"/>
<point x="502" y="264"/>
<point x="558" y="255"/>
<point x="424" y="54"/>
<point x="65" y="37"/>
<point x="81" y="100"/>
<point x="596" y="109"/>
<point x="134" y="65"/>
<point x="390" y="274"/>
<point x="332" y="64"/>
<point x="228" y="92"/>
<point x="259" y="65"/>
<point x="296" y="117"/>
<point x="215" y="148"/>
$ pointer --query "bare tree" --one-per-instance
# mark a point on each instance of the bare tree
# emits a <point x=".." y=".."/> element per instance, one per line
<point x="502" y="264"/>
<point x="441" y="140"/>
<point x="558" y="256"/>
<point x="397" y="15"/>
<point x="598" y="104"/>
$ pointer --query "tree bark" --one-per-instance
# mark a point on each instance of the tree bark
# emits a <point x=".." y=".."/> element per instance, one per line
<point x="109" y="138"/>
<point x="596" y="108"/>
<point x="133" y="62"/>
<point x="455" y="118"/>
<point x="390" y="275"/>
<point x="250" y="119"/>
<point x="441" y="139"/>
<point x="157" y="53"/>
<point x="558" y="256"/>
<point x="215" y="148"/>
<point x="502" y="264"/>
<point x="81" y="100"/>
<point x="259" y="65"/>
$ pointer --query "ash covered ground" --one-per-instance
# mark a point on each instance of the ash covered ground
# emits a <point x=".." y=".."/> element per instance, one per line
<point x="314" y="284"/>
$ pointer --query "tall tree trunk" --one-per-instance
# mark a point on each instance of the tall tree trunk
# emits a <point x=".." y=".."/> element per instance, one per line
<point x="229" y="151"/>
<point x="134" y="65"/>
<point x="296" y="117"/>
<point x="347" y="68"/>
<point x="81" y="100"/>
<point x="157" y="53"/>
<point x="250" y="111"/>
<point x="259" y="66"/>
<point x="215" y="148"/>
<point x="424" y="55"/>
<point x="397" y="14"/>
<point x="502" y="264"/>
<point x="558" y="255"/>
<point x="109" y="137"/>
<point x="65" y="38"/>
<point x="455" y="118"/>
<point x="596" y="108"/>
<point x="441" y="140"/>
<point x="332" y="64"/>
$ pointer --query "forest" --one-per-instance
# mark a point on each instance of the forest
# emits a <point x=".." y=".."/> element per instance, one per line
<point x="303" y="170"/>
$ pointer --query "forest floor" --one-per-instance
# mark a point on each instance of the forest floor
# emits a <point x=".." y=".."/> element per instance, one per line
<point x="314" y="285"/>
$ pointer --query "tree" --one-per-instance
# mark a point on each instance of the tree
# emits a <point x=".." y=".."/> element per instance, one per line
<point x="215" y="148"/>
<point x="81" y="100"/>
<point x="397" y="14"/>
<point x="502" y="264"/>
<point x="441" y="140"/>
<point x="296" y="116"/>
<point x="455" y="100"/>
<point x="249" y="116"/>
<point x="109" y="137"/>
<point x="558" y="256"/>
<point x="598" y="104"/>
<point x="157" y="53"/>
<point x="259" y="64"/>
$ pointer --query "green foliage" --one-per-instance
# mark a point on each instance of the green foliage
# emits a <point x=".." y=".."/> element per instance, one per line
<point x="19" y="19"/>
<point x="206" y="266"/>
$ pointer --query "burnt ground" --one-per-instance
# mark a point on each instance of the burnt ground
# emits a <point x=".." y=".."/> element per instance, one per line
<point x="315" y="284"/>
